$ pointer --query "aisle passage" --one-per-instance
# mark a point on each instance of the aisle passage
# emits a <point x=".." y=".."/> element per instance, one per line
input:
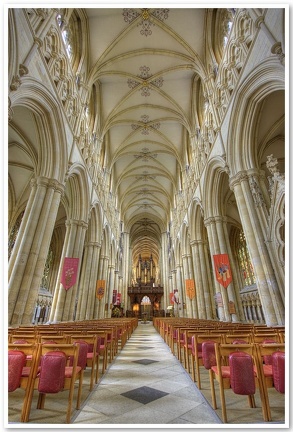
<point x="145" y="385"/>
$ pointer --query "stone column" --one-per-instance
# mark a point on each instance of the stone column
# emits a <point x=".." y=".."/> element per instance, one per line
<point x="249" y="200"/>
<point x="88" y="281"/>
<point x="110" y="285"/>
<point x="216" y="248"/>
<point x="187" y="275"/>
<point x="180" y="290"/>
<point x="65" y="302"/>
<point x="28" y="258"/>
<point x="199" y="282"/>
<point x="165" y="271"/>
<point x="207" y="288"/>
<point x="193" y="305"/>
<point x="102" y="275"/>
<point x="233" y="289"/>
<point x="126" y="270"/>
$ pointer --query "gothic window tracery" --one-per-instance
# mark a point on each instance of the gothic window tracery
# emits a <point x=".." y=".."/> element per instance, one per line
<point x="245" y="264"/>
<point x="71" y="34"/>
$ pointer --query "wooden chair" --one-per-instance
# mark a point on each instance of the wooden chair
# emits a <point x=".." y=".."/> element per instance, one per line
<point x="244" y="338"/>
<point x="241" y="375"/>
<point x="197" y="359"/>
<point x="102" y="349"/>
<point x="29" y="338"/>
<point x="92" y="360"/>
<point x="58" y="371"/>
<point x="263" y="337"/>
<point x="271" y="361"/>
<point x="22" y="362"/>
<point x="54" y="338"/>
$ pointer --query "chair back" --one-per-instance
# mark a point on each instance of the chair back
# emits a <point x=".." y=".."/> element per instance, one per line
<point x="16" y="363"/>
<point x="52" y="372"/>
<point x="208" y="354"/>
<point x="241" y="373"/>
<point x="278" y="368"/>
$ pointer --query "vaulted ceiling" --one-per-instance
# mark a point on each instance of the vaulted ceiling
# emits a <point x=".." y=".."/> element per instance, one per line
<point x="145" y="63"/>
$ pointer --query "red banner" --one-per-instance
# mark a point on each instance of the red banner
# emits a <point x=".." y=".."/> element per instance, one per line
<point x="100" y="289"/>
<point x="171" y="298"/>
<point x="190" y="288"/>
<point x="222" y="269"/>
<point x="69" y="272"/>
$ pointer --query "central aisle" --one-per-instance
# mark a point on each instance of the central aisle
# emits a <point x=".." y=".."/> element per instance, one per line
<point x="146" y="384"/>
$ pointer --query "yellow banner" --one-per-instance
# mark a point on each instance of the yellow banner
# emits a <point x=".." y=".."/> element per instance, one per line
<point x="100" y="289"/>
<point x="190" y="288"/>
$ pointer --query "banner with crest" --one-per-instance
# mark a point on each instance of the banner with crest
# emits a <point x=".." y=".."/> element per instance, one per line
<point x="69" y="272"/>
<point x="100" y="289"/>
<point x="190" y="288"/>
<point x="222" y="269"/>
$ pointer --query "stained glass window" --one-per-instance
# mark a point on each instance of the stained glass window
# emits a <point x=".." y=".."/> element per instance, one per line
<point x="49" y="260"/>
<point x="245" y="264"/>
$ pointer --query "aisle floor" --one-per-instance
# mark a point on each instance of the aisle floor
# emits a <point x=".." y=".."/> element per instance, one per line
<point x="146" y="385"/>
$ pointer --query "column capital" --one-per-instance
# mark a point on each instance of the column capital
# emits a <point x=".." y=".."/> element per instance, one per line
<point x="237" y="179"/>
<point x="93" y="244"/>
<point x="194" y="243"/>
<point x="79" y="223"/>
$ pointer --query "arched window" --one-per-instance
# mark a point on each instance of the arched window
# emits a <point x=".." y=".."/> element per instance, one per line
<point x="71" y="35"/>
<point x="49" y="261"/>
<point x="66" y="32"/>
<point x="223" y="25"/>
<point x="227" y="25"/>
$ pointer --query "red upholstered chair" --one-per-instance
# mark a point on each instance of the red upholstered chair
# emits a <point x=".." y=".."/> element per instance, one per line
<point x="92" y="356"/>
<point x="197" y="355"/>
<point x="22" y="361"/>
<point x="102" y="347"/>
<point x="236" y="368"/>
<point x="58" y="371"/>
<point x="271" y="363"/>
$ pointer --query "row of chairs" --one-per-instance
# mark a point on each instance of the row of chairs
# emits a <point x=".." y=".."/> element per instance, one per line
<point x="51" y="363"/>
<point x="226" y="352"/>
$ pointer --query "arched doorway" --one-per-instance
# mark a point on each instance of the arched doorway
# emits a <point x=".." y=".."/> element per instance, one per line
<point x="146" y="307"/>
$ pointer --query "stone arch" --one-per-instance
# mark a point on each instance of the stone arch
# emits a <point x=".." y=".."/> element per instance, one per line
<point x="77" y="193"/>
<point x="195" y="218"/>
<point x="12" y="46"/>
<point x="267" y="78"/>
<point x="52" y="152"/>
<point x="94" y="232"/>
<point x="212" y="185"/>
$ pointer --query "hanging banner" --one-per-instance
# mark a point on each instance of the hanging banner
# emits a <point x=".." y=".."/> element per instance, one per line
<point x="69" y="272"/>
<point x="114" y="296"/>
<point x="222" y="269"/>
<point x="100" y="289"/>
<point x="190" y="288"/>
<point x="171" y="298"/>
